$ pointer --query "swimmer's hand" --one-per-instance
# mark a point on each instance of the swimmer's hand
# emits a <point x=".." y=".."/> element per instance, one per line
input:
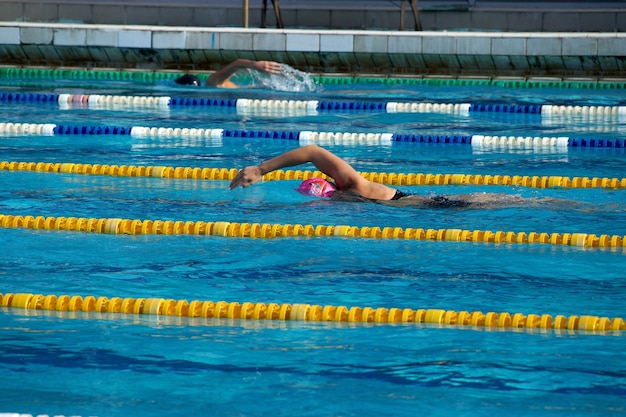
<point x="246" y="177"/>
<point x="269" y="67"/>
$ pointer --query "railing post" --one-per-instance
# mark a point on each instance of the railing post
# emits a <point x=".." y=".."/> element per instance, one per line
<point x="245" y="13"/>
<point x="414" y="8"/>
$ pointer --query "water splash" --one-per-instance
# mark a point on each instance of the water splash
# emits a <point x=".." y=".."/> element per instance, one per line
<point x="289" y="79"/>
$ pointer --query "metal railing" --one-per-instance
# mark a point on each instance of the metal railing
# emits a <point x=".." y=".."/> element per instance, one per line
<point x="429" y="5"/>
<point x="413" y="5"/>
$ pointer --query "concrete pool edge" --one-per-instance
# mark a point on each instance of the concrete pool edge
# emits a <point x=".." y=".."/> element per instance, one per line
<point x="494" y="54"/>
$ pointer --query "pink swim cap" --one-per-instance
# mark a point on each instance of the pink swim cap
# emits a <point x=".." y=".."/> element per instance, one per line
<point x="317" y="187"/>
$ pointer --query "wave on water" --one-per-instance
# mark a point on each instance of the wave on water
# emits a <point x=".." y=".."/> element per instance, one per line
<point x="289" y="79"/>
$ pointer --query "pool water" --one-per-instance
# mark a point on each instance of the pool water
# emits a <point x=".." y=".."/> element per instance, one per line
<point x="113" y="365"/>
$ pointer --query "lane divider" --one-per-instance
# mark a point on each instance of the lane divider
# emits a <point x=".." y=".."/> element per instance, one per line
<point x="469" y="82"/>
<point x="395" y="179"/>
<point x="155" y="76"/>
<point x="119" y="226"/>
<point x="306" y="312"/>
<point x="465" y="109"/>
<point x="308" y="137"/>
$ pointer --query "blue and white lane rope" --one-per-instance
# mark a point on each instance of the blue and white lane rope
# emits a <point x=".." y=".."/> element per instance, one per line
<point x="309" y="137"/>
<point x="112" y="101"/>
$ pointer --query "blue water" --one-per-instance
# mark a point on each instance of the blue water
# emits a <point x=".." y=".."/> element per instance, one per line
<point x="158" y="367"/>
<point x="93" y="364"/>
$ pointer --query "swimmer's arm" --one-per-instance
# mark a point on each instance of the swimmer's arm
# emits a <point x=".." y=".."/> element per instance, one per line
<point x="327" y="162"/>
<point x="221" y="78"/>
<point x="324" y="160"/>
<point x="346" y="177"/>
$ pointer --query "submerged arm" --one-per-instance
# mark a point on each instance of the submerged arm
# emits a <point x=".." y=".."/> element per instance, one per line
<point x="221" y="78"/>
<point x="346" y="177"/>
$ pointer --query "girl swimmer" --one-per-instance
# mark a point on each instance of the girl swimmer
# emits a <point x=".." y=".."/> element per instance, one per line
<point x="350" y="185"/>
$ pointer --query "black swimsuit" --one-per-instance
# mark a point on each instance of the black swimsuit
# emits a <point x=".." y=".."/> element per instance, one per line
<point x="445" y="202"/>
<point x="437" y="201"/>
<point x="398" y="195"/>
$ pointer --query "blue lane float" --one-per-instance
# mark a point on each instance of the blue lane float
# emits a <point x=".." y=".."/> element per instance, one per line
<point x="113" y="101"/>
<point x="91" y="130"/>
<point x="310" y="137"/>
<point x="464" y="140"/>
<point x="261" y="134"/>
<point x="505" y="108"/>
<point x="29" y="97"/>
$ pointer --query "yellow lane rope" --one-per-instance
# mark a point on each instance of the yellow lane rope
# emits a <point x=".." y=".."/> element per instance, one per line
<point x="267" y="231"/>
<point x="306" y="312"/>
<point x="397" y="179"/>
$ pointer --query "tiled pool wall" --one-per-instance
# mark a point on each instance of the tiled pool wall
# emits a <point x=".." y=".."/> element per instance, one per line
<point x="328" y="51"/>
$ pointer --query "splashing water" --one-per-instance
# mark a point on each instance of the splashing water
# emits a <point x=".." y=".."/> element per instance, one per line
<point x="289" y="79"/>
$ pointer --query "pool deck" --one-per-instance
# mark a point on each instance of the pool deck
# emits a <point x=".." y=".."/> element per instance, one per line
<point x="372" y="52"/>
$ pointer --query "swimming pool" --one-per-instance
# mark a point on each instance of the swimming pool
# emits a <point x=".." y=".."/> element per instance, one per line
<point x="88" y="363"/>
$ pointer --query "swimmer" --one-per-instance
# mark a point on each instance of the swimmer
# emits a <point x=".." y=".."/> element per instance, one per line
<point x="349" y="185"/>
<point x="222" y="77"/>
